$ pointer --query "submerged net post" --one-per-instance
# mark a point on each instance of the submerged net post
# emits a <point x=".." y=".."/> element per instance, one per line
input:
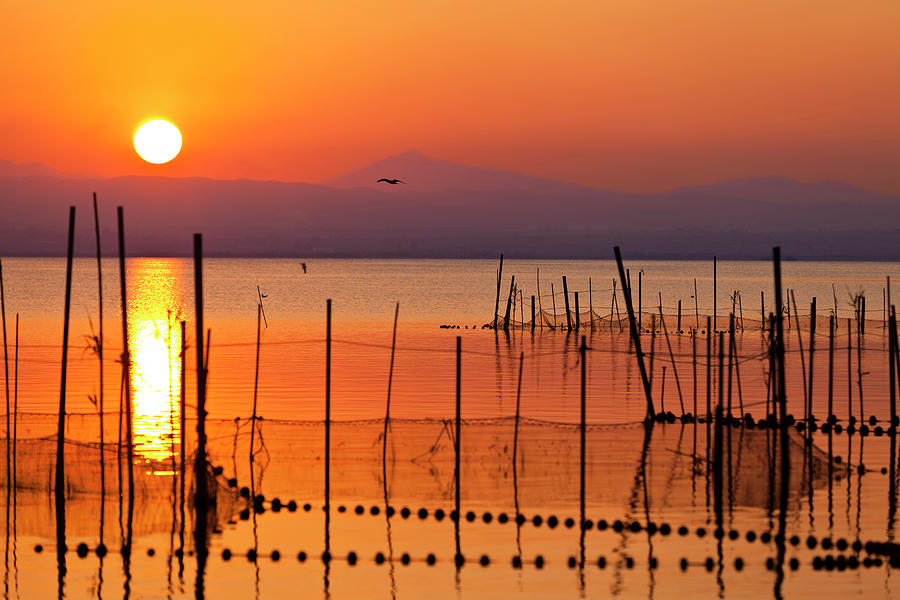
<point x="566" y="296"/>
<point x="459" y="557"/>
<point x="60" y="485"/>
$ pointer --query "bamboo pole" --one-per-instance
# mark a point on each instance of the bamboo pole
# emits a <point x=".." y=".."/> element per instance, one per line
<point x="6" y="377"/>
<point x="577" y="313"/>
<point x="679" y="316"/>
<point x="640" y="298"/>
<point x="891" y="367"/>
<point x="694" y="363"/>
<point x="497" y="300"/>
<point x="201" y="491"/>
<point x="715" y="295"/>
<point x="800" y="347"/>
<point x="457" y="439"/>
<point x="387" y="407"/>
<point x="812" y="351"/>
<point x="636" y="337"/>
<point x="850" y="416"/>
<point x="327" y="416"/>
<point x="540" y="301"/>
<point x="730" y="357"/>
<point x="709" y="335"/>
<point x="553" y="298"/>
<point x="831" y="320"/>
<point x="566" y="296"/>
<point x="583" y="429"/>
<point x="60" y="484"/>
<point x="99" y="343"/>
<point x="696" y="305"/>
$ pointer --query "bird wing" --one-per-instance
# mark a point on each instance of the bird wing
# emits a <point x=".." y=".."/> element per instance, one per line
<point x="383" y="179"/>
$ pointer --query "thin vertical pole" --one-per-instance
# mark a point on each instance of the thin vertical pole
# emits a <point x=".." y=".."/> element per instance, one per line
<point x="458" y="557"/>
<point x="762" y="310"/>
<point x="387" y="407"/>
<point x="60" y="486"/>
<point x="730" y="358"/>
<point x="849" y="369"/>
<point x="709" y="335"/>
<point x="512" y="283"/>
<point x="99" y="343"/>
<point x="201" y="494"/>
<point x="6" y="373"/>
<point x="182" y="406"/>
<point x="497" y="301"/>
<point x="694" y="363"/>
<point x="577" y="313"/>
<point x="640" y="297"/>
<point x="715" y="294"/>
<point x="779" y="338"/>
<point x="860" y="331"/>
<point x="696" y="305"/>
<point x="891" y="366"/>
<point x="553" y="298"/>
<point x="566" y="295"/>
<point x="540" y="301"/>
<point x="812" y="351"/>
<point x="591" y="303"/>
<point x="662" y="323"/>
<point x="126" y="359"/>
<point x="327" y="409"/>
<point x="831" y="319"/>
<point x="679" y="316"/>
<point x="583" y="429"/>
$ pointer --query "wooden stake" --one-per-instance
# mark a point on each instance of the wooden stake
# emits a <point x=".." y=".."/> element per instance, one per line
<point x="566" y="295"/>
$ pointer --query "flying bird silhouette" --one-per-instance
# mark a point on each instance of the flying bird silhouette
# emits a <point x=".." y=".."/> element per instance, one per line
<point x="390" y="181"/>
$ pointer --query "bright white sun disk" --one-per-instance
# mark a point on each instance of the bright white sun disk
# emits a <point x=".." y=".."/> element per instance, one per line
<point x="157" y="141"/>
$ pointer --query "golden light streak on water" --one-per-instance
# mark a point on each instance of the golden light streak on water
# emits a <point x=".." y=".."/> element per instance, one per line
<point x="154" y="341"/>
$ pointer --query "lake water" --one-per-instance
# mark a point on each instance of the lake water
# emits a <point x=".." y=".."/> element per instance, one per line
<point x="633" y="474"/>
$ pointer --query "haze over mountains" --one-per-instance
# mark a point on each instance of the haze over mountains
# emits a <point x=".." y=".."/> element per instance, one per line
<point x="447" y="210"/>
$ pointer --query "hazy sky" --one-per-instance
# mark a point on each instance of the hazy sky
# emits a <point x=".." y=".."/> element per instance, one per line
<point x="639" y="95"/>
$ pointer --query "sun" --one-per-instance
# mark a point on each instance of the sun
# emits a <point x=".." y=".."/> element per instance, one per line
<point x="157" y="141"/>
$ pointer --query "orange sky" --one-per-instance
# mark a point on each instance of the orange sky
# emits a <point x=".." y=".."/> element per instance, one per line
<point x="641" y="95"/>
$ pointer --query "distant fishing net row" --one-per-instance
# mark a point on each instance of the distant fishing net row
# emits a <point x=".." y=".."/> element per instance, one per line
<point x="649" y="321"/>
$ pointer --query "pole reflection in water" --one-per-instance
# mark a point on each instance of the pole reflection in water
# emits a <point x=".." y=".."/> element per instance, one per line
<point x="154" y="342"/>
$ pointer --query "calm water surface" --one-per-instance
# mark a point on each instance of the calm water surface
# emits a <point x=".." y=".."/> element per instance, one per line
<point x="633" y="474"/>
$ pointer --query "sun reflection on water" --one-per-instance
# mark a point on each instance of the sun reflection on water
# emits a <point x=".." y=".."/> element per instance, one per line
<point x="154" y="342"/>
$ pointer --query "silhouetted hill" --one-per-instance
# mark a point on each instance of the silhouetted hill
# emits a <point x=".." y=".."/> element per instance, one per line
<point x="740" y="219"/>
<point x="11" y="169"/>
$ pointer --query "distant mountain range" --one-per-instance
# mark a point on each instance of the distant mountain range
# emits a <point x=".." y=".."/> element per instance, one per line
<point x="448" y="210"/>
